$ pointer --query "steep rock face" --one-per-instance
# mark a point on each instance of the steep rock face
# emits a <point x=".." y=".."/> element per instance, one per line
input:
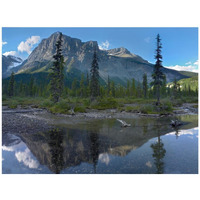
<point x="9" y="64"/>
<point x="119" y="63"/>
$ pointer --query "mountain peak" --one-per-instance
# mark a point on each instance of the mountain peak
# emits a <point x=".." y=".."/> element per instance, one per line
<point x="15" y="59"/>
<point x="10" y="63"/>
<point x="118" y="51"/>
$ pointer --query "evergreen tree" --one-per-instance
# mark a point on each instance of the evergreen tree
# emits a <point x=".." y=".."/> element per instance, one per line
<point x="121" y="91"/>
<point x="31" y="87"/>
<point x="56" y="74"/>
<point x="11" y="85"/>
<point x="74" y="87"/>
<point x="133" y="88"/>
<point x="82" y="86"/>
<point x="163" y="87"/>
<point x="185" y="89"/>
<point x="87" y="80"/>
<point x="108" y="87"/>
<point x="145" y="86"/>
<point x="176" y="87"/>
<point x="21" y="88"/>
<point x="87" y="92"/>
<point x="196" y="92"/>
<point x="128" y="89"/>
<point x="168" y="91"/>
<point x="139" y="90"/>
<point x="158" y="75"/>
<point x="112" y="88"/>
<point x="189" y="90"/>
<point x="94" y="76"/>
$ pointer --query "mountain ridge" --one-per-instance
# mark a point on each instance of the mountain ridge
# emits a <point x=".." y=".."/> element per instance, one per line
<point x="10" y="63"/>
<point x="118" y="63"/>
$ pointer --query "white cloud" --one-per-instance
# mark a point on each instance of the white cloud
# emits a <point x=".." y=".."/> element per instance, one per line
<point x="12" y="53"/>
<point x="148" y="164"/>
<point x="8" y="148"/>
<point x="4" y="43"/>
<point x="188" y="63"/>
<point x="191" y="68"/>
<point x="147" y="39"/>
<point x="185" y="132"/>
<point x="28" y="44"/>
<point x="104" y="45"/>
<point x="25" y="157"/>
<point x="104" y="158"/>
<point x="196" y="63"/>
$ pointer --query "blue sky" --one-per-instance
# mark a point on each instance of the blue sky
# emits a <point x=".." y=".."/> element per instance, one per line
<point x="180" y="45"/>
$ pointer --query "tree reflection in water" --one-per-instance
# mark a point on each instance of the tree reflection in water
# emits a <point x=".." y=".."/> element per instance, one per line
<point x="158" y="155"/>
<point x="94" y="148"/>
<point x="177" y="132"/>
<point x="56" y="149"/>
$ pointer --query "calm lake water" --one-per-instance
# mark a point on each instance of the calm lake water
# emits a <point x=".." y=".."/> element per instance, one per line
<point x="149" y="146"/>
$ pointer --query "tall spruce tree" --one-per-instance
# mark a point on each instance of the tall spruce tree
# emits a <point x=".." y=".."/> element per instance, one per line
<point x="94" y="77"/>
<point x="128" y="88"/>
<point x="87" y="80"/>
<point x="176" y="87"/>
<point x="74" y="87"/>
<point x="158" y="75"/>
<point x="164" y="87"/>
<point x="31" y="86"/>
<point x="144" y="85"/>
<point x="21" y="87"/>
<point x="11" y="85"/>
<point x="133" y="88"/>
<point x="108" y="86"/>
<point x="82" y="86"/>
<point x="56" y="74"/>
<point x="139" y="90"/>
<point x="112" y="88"/>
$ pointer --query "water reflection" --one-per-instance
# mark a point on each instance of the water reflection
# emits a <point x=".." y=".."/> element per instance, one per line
<point x="101" y="147"/>
<point x="55" y="142"/>
<point x="158" y="155"/>
<point x="177" y="132"/>
<point x="94" y="149"/>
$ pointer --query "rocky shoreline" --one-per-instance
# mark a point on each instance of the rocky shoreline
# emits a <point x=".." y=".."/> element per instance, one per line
<point x="33" y="120"/>
<point x="17" y="123"/>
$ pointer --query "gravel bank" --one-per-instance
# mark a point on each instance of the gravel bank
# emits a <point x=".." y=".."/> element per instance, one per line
<point x="32" y="120"/>
<point x="18" y="122"/>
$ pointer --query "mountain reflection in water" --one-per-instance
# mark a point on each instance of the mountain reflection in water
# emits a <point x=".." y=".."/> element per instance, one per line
<point x="98" y="145"/>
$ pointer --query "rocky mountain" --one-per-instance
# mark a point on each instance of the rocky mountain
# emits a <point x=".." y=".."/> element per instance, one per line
<point x="9" y="64"/>
<point x="119" y="63"/>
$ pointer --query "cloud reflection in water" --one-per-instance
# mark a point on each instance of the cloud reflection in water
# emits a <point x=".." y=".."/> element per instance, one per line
<point x="27" y="159"/>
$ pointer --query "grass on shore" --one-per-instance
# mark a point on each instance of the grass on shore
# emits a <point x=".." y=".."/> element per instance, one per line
<point x="64" y="106"/>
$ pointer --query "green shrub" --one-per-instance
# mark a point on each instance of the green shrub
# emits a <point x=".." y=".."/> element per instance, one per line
<point x="13" y="104"/>
<point x="4" y="98"/>
<point x="60" y="107"/>
<point x="105" y="103"/>
<point x="46" y="104"/>
<point x="80" y="109"/>
<point x="167" y="105"/>
<point x="149" y="109"/>
<point x="132" y="108"/>
<point x="190" y="99"/>
<point x="86" y="103"/>
<point x="121" y="108"/>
